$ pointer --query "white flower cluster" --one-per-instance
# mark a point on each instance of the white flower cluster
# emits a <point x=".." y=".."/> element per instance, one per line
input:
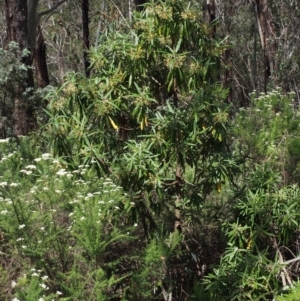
<point x="7" y="156"/>
<point x="28" y="169"/>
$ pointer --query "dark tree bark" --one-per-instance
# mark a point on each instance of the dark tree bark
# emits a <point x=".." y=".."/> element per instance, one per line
<point x="40" y="62"/>
<point x="210" y="11"/>
<point x="16" y="25"/>
<point x="37" y="42"/>
<point x="210" y="14"/>
<point x="16" y="22"/>
<point x="85" y="33"/>
<point x="139" y="4"/>
<point x="268" y="38"/>
<point x="22" y="21"/>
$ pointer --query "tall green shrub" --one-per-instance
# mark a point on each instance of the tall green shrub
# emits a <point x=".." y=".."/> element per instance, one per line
<point x="151" y="107"/>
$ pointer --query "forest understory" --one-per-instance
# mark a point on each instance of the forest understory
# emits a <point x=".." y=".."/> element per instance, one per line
<point x="149" y="150"/>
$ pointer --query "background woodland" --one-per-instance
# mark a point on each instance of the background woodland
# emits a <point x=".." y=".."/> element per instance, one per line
<point x="149" y="150"/>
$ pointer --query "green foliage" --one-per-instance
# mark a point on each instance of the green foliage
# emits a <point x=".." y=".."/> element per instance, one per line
<point x="268" y="133"/>
<point x="150" y="121"/>
<point x="13" y="76"/>
<point x="151" y="108"/>
<point x="156" y="274"/>
<point x="242" y="276"/>
<point x="12" y="72"/>
<point x="271" y="214"/>
<point x="264" y="231"/>
<point x="265" y="213"/>
<point x="292" y="294"/>
<point x="145" y="138"/>
<point x="293" y="148"/>
<point x="58" y="227"/>
<point x="152" y="117"/>
<point x="11" y="68"/>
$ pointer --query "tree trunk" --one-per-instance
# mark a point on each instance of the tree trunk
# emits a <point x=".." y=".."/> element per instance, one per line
<point x="254" y="64"/>
<point x="37" y="42"/>
<point x="267" y="37"/>
<point x="33" y="22"/>
<point x="85" y="33"/>
<point x="40" y="62"/>
<point x="16" y="26"/>
<point x="210" y="14"/>
<point x="178" y="202"/>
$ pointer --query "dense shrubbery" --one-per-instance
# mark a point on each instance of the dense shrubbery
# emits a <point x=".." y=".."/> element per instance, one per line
<point x="263" y="231"/>
<point x="56" y="226"/>
<point x="148" y="190"/>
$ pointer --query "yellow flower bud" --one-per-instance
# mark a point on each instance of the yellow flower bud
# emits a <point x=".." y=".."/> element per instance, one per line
<point x="113" y="124"/>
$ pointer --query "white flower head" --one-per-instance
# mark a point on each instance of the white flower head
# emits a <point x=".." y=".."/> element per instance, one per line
<point x="21" y="226"/>
<point x="27" y="172"/>
<point x="4" y="140"/>
<point x="43" y="285"/>
<point x="30" y="166"/>
<point x="46" y="156"/>
<point x="13" y="284"/>
<point x="61" y="172"/>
